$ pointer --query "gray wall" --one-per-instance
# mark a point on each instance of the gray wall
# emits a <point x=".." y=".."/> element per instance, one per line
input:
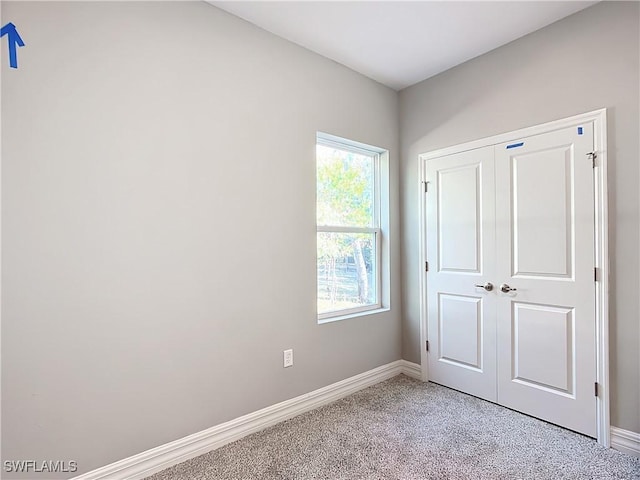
<point x="158" y="225"/>
<point x="582" y="63"/>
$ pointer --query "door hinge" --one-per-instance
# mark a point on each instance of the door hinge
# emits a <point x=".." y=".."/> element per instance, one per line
<point x="426" y="186"/>
<point x="595" y="274"/>
<point x="595" y="389"/>
<point x="593" y="156"/>
<point x="427" y="345"/>
<point x="426" y="266"/>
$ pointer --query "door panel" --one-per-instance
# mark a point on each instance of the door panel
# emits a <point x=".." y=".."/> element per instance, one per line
<point x="545" y="241"/>
<point x="461" y="251"/>
<point x="459" y="205"/>
<point x="535" y="325"/>
<point x="460" y="330"/>
<point x="541" y="189"/>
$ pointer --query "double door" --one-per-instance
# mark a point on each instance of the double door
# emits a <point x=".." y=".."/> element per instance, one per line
<point x="510" y="286"/>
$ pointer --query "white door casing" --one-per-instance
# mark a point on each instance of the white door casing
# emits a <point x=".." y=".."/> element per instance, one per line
<point x="533" y="375"/>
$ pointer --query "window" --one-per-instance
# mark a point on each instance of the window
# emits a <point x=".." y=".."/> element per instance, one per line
<point x="349" y="237"/>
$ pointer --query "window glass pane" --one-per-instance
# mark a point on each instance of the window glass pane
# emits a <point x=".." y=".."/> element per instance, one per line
<point x="345" y="188"/>
<point x="346" y="270"/>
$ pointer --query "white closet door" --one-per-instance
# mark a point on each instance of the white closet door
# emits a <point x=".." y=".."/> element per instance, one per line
<point x="545" y="243"/>
<point x="461" y="254"/>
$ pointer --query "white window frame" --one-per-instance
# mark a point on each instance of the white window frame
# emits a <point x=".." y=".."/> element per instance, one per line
<point x="338" y="143"/>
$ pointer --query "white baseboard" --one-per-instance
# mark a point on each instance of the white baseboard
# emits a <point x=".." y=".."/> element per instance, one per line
<point x="411" y="369"/>
<point x="147" y="463"/>
<point x="625" y="441"/>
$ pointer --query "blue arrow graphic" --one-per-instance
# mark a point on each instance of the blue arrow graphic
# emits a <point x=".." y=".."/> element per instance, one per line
<point x="14" y="39"/>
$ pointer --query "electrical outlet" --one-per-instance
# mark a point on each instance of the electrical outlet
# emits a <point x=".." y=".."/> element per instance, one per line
<point x="288" y="358"/>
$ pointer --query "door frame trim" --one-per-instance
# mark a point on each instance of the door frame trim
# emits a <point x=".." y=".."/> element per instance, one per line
<point x="601" y="229"/>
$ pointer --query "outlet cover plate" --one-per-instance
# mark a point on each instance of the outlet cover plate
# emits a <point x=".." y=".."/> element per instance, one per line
<point x="288" y="358"/>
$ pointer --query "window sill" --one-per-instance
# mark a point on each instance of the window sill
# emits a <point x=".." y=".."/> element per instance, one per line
<point x="339" y="318"/>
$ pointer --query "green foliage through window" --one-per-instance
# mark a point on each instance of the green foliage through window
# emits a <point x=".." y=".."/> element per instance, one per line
<point x="345" y="188"/>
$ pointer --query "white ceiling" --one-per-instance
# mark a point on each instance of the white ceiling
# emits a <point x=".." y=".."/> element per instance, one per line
<point x="401" y="43"/>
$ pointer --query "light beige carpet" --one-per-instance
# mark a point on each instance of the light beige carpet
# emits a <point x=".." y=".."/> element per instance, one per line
<point x="405" y="429"/>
